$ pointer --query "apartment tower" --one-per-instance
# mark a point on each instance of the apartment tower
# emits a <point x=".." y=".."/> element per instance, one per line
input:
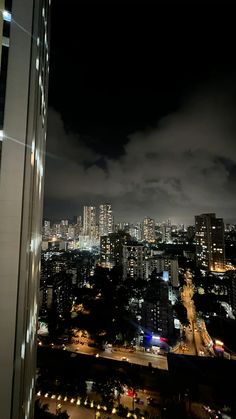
<point x="89" y="222"/>
<point x="24" y="44"/>
<point x="149" y="230"/>
<point x="105" y="220"/>
<point x="210" y="250"/>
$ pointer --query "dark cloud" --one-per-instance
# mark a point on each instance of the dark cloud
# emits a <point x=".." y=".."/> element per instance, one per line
<point x="184" y="166"/>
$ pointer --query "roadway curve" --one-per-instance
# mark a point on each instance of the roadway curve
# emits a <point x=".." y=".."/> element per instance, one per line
<point x="196" y="338"/>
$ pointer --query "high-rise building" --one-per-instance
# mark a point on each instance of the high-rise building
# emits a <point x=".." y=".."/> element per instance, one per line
<point x="190" y="232"/>
<point x="210" y="250"/>
<point x="57" y="276"/>
<point x="135" y="231"/>
<point x="89" y="222"/>
<point x="105" y="220"/>
<point x="71" y="232"/>
<point x="106" y="252"/>
<point x="133" y="260"/>
<point x="233" y="290"/>
<point x="64" y="227"/>
<point x="161" y="264"/>
<point x="156" y="315"/>
<point x="122" y="226"/>
<point x="111" y="249"/>
<point x="56" y="229"/>
<point x="46" y="228"/>
<point x="149" y="230"/>
<point x="24" y="54"/>
<point x="78" y="226"/>
<point x="166" y="233"/>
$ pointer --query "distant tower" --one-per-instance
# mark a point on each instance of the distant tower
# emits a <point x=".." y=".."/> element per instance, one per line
<point x="64" y="227"/>
<point x="166" y="233"/>
<point x="133" y="260"/>
<point x="106" y="252"/>
<point x="47" y="228"/>
<point x="135" y="231"/>
<point x="89" y="222"/>
<point x="210" y="252"/>
<point x="149" y="230"/>
<point x="78" y="226"/>
<point x="105" y="220"/>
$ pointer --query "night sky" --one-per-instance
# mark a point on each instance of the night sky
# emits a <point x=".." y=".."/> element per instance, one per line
<point x="142" y="109"/>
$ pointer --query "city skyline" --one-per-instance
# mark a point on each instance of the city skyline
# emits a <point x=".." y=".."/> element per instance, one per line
<point x="125" y="306"/>
<point x="157" y="220"/>
<point x="143" y="119"/>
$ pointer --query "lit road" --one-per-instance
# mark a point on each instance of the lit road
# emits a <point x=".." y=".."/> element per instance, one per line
<point x="137" y="357"/>
<point x="197" y="340"/>
<point x="140" y="358"/>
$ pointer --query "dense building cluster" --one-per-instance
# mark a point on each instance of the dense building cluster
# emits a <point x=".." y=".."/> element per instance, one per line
<point x="148" y="260"/>
<point x="147" y="287"/>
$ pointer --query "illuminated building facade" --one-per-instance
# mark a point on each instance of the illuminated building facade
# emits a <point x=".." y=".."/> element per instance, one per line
<point x="210" y="249"/>
<point x="111" y="249"/>
<point x="78" y="226"/>
<point x="233" y="291"/>
<point x="24" y="46"/>
<point x="46" y="228"/>
<point x="105" y="220"/>
<point x="156" y="311"/>
<point x="166" y="233"/>
<point x="149" y="230"/>
<point x="163" y="264"/>
<point x="135" y="231"/>
<point x="133" y="260"/>
<point x="64" y="224"/>
<point x="89" y="222"/>
<point x="106" y="252"/>
<point x="57" y="275"/>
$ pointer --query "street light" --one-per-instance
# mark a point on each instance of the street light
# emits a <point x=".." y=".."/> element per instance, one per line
<point x="58" y="409"/>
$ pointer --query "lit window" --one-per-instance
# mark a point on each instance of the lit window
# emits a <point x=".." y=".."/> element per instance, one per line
<point x="5" y="41"/>
<point x="6" y="16"/>
<point x="23" y="351"/>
